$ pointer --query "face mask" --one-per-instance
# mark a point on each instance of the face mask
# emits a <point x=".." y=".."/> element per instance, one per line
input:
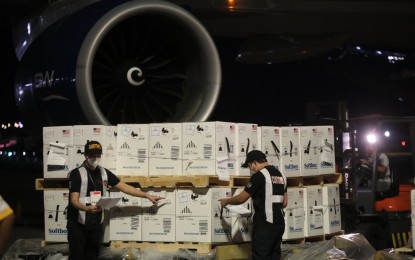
<point x="93" y="162"/>
<point x="251" y="169"/>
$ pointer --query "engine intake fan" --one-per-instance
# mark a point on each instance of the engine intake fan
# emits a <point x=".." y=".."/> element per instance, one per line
<point x="120" y="62"/>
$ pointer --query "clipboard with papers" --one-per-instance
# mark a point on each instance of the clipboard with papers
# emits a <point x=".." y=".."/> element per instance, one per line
<point x="108" y="202"/>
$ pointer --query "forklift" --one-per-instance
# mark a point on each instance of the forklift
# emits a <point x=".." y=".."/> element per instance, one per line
<point x="383" y="217"/>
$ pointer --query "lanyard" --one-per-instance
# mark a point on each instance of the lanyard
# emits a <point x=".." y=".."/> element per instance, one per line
<point x="88" y="171"/>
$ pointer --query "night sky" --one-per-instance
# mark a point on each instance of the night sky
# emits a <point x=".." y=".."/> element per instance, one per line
<point x="8" y="63"/>
<point x="278" y="94"/>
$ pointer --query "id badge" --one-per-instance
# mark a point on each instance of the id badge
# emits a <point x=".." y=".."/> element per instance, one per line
<point x="95" y="196"/>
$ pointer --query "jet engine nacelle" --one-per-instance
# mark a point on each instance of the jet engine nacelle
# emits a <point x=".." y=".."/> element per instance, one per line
<point x="116" y="62"/>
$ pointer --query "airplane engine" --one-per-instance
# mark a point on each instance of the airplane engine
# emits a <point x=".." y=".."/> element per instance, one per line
<point x="118" y="61"/>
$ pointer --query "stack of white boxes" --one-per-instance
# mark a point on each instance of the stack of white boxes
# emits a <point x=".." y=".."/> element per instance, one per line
<point x="309" y="150"/>
<point x="313" y="210"/>
<point x="106" y="135"/>
<point x="159" y="221"/>
<point x="109" y="158"/>
<point x="208" y="148"/>
<point x="55" y="204"/>
<point x="165" y="149"/>
<point x="246" y="141"/>
<point x="290" y="149"/>
<point x="195" y="148"/>
<point x="126" y="220"/>
<point x="242" y="224"/>
<point x="57" y="161"/>
<point x="259" y="137"/>
<point x="198" y="215"/>
<point x="299" y="151"/>
<point x="331" y="208"/>
<point x="271" y="145"/>
<point x="327" y="163"/>
<point x="132" y="149"/>
<point x="191" y="148"/>
<point x="294" y="214"/>
<point x="57" y="151"/>
<point x="82" y="134"/>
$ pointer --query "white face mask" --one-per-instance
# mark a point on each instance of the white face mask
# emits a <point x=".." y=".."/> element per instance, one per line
<point x="93" y="162"/>
<point x="251" y="169"/>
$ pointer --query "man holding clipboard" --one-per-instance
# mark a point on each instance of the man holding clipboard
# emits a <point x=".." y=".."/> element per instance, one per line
<point x="89" y="183"/>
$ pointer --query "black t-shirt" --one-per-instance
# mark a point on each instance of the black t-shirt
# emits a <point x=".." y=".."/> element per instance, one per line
<point x="256" y="188"/>
<point x="94" y="184"/>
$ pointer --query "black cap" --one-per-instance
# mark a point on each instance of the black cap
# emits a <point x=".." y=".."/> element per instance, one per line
<point x="92" y="147"/>
<point x="254" y="155"/>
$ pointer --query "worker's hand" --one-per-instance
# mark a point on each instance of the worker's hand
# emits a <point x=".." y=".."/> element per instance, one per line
<point x="153" y="198"/>
<point x="224" y="202"/>
<point x="363" y="161"/>
<point x="93" y="209"/>
<point x="366" y="163"/>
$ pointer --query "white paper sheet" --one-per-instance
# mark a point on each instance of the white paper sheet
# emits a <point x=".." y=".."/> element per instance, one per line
<point x="221" y="169"/>
<point x="57" y="155"/>
<point x="108" y="202"/>
<point x="239" y="209"/>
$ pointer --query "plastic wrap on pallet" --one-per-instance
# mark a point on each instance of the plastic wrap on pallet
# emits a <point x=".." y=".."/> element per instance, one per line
<point x="24" y="247"/>
<point x="180" y="254"/>
<point x="350" y="246"/>
<point x="29" y="249"/>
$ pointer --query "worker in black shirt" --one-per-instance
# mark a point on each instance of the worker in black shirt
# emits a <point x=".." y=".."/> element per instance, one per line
<point x="87" y="184"/>
<point x="268" y="189"/>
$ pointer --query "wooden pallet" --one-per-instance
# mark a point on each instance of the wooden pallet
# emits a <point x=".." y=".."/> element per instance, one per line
<point x="201" y="248"/>
<point x="323" y="236"/>
<point x="156" y="181"/>
<point x="168" y="181"/>
<point x="49" y="183"/>
<point x="186" y="181"/>
<point x="330" y="236"/>
<point x="301" y="181"/>
<point x="228" y="252"/>
<point x="193" y="181"/>
<point x="336" y="178"/>
<point x="312" y="239"/>
<point x="45" y="243"/>
<point x="234" y="181"/>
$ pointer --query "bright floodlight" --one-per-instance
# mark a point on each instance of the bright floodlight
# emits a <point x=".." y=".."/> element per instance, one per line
<point x="371" y="138"/>
<point x="387" y="133"/>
